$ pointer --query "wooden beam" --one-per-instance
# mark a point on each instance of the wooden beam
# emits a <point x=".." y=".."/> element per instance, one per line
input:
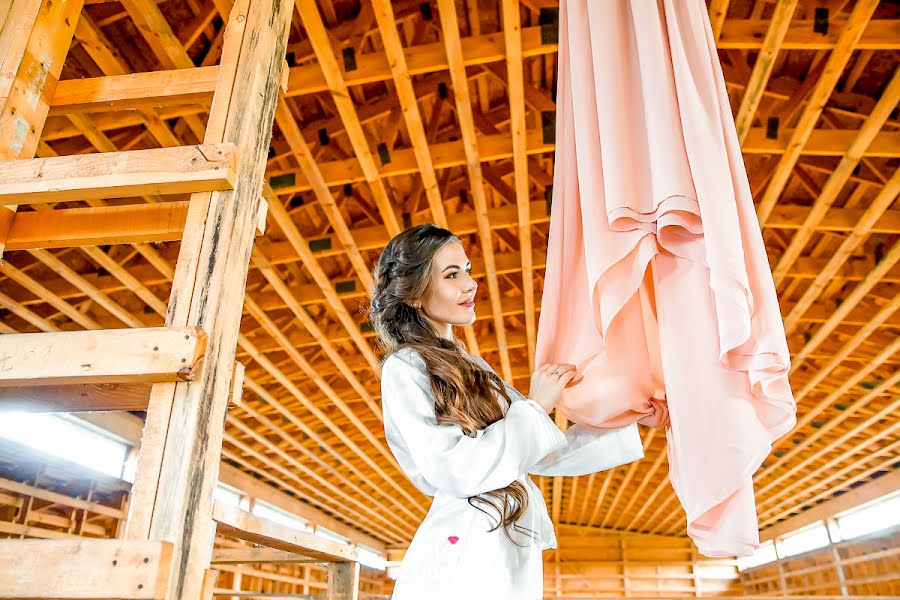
<point x="825" y="142"/>
<point x="34" y="41"/>
<point x="104" y="225"/>
<point x="85" y="569"/>
<point x="106" y="356"/>
<point x="512" y="30"/>
<point x="74" y="398"/>
<point x="839" y="177"/>
<point x="393" y="48"/>
<point x="242" y="525"/>
<point x="765" y="63"/>
<point x="178" y="170"/>
<point x="243" y="556"/>
<point x="194" y="85"/>
<point x="343" y="581"/>
<point x="318" y="37"/>
<point x="837" y="60"/>
<point x="855" y="497"/>
<point x="173" y="490"/>
<point x="453" y="44"/>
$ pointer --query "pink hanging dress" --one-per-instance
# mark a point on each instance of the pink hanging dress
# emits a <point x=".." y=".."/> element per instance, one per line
<point x="667" y="306"/>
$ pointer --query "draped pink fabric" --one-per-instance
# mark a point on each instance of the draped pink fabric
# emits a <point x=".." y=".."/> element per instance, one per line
<point x="667" y="305"/>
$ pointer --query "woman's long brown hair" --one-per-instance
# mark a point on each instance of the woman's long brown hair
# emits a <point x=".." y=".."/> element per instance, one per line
<point x="465" y="394"/>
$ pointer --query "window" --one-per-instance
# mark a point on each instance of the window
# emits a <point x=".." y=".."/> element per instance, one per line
<point x="66" y="437"/>
<point x="764" y="554"/>
<point x="370" y="558"/>
<point x="330" y="535"/>
<point x="808" y="538"/>
<point x="273" y="513"/>
<point x="227" y="495"/>
<point x="882" y="513"/>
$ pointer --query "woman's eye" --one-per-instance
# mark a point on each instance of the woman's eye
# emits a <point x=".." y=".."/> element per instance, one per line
<point x="452" y="275"/>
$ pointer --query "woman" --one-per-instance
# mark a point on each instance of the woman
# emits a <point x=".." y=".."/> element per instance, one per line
<point x="465" y="437"/>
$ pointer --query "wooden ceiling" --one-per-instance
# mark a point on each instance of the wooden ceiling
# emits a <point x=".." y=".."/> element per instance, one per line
<point x="385" y="105"/>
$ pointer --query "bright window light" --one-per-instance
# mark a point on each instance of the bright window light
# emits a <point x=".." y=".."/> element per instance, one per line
<point x="370" y="558"/>
<point x="67" y="438"/>
<point x="880" y="514"/>
<point x="330" y="535"/>
<point x="764" y="554"/>
<point x="804" y="540"/>
<point x="273" y="513"/>
<point x="227" y="495"/>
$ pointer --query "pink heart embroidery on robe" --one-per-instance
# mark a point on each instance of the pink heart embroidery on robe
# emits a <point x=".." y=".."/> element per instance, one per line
<point x="453" y="539"/>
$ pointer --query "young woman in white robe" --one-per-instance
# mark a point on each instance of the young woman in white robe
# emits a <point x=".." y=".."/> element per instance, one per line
<point x="465" y="437"/>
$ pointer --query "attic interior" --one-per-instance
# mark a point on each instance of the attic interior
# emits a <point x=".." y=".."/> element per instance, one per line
<point x="128" y="129"/>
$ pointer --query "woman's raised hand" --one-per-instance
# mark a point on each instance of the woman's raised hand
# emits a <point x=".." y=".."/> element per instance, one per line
<point x="547" y="383"/>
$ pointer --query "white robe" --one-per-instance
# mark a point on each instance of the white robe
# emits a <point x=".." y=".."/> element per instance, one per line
<point x="453" y="555"/>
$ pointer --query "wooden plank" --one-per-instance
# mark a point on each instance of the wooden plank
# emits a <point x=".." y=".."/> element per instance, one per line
<point x="178" y="170"/>
<point x="243" y="556"/>
<point x="106" y="356"/>
<point x="56" y="498"/>
<point x="74" y="398"/>
<point x="242" y="525"/>
<point x="135" y="90"/>
<point x="848" y="41"/>
<point x="454" y="51"/>
<point x="104" y="225"/>
<point x="83" y="568"/>
<point x="318" y="37"/>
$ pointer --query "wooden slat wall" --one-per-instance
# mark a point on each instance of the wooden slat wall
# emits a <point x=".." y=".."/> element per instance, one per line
<point x="868" y="566"/>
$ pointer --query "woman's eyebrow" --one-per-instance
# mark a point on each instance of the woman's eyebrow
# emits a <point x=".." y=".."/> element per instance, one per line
<point x="468" y="264"/>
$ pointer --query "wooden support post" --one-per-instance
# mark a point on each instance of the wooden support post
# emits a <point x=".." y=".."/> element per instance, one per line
<point x="178" y="471"/>
<point x="343" y="581"/>
<point x="34" y="39"/>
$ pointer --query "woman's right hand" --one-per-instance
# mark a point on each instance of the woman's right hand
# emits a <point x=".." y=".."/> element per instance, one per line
<point x="547" y="383"/>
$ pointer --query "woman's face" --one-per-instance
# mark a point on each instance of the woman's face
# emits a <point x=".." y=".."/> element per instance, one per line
<point x="450" y="296"/>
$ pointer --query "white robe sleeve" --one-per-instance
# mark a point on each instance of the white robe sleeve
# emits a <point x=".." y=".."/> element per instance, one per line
<point x="591" y="450"/>
<point x="441" y="457"/>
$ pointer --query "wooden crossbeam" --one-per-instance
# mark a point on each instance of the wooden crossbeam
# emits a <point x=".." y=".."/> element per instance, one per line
<point x="193" y="85"/>
<point x="765" y="63"/>
<point x="318" y="37"/>
<point x="454" y="53"/>
<point x="516" y="91"/>
<point x="94" y="397"/>
<point x="243" y="525"/>
<point x="196" y="84"/>
<point x="85" y="569"/>
<point x="75" y="398"/>
<point x="105" y="356"/>
<point x="179" y="170"/>
<point x="103" y="225"/>
<point x="850" y="36"/>
<point x="243" y="556"/>
<point x="406" y="94"/>
<point x="825" y="142"/>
